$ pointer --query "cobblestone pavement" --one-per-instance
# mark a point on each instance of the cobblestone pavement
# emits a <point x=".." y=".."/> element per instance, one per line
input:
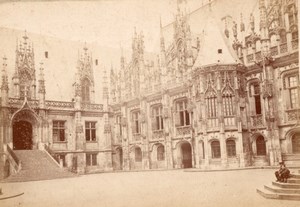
<point x="153" y="188"/>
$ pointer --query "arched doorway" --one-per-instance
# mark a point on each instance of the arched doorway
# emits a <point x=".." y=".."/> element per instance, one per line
<point x="22" y="135"/>
<point x="261" y="146"/>
<point x="296" y="143"/>
<point x="119" y="156"/>
<point x="186" y="153"/>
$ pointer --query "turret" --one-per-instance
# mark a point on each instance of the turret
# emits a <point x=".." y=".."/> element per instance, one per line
<point x="41" y="88"/>
<point x="24" y="76"/>
<point x="4" y="85"/>
<point x="162" y="48"/>
<point x="84" y="78"/>
<point x="264" y="33"/>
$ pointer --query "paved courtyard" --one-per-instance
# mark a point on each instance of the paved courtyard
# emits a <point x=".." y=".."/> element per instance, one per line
<point x="152" y="188"/>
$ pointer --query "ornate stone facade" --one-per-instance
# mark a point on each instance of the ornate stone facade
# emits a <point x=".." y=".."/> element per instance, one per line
<point x="222" y="98"/>
<point x="234" y="111"/>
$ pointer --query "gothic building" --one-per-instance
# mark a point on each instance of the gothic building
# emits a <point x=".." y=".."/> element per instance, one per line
<point x="226" y="97"/>
<point x="218" y="95"/>
<point x="72" y="132"/>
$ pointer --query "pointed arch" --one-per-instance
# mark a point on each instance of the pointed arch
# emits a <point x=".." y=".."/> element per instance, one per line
<point x="85" y="89"/>
<point x="227" y="97"/>
<point x="211" y="100"/>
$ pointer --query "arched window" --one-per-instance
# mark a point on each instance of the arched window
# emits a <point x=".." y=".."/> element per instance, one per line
<point x="230" y="147"/>
<point x="211" y="103"/>
<point x="255" y="93"/>
<point x="227" y="105"/>
<point x="261" y="146"/>
<point x="296" y="143"/>
<point x="291" y="83"/>
<point x="215" y="149"/>
<point x="182" y="117"/>
<point x="85" y="90"/>
<point x="160" y="153"/>
<point x="138" y="154"/>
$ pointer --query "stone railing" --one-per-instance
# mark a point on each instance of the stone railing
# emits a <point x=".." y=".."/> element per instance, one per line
<point x="293" y="114"/>
<point x="15" y="102"/>
<point x="183" y="130"/>
<point x="257" y="120"/>
<point x="295" y="44"/>
<point x="93" y="107"/>
<point x="157" y="134"/>
<point x="274" y="50"/>
<point x="283" y="48"/>
<point x="51" y="154"/>
<point x="14" y="160"/>
<point x="60" y="104"/>
<point x="250" y="58"/>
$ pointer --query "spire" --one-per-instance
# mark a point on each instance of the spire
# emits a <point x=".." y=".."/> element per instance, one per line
<point x="242" y="24"/>
<point x="4" y="85"/>
<point x="122" y="60"/>
<point x="234" y="30"/>
<point x="252" y="23"/>
<point x="105" y="85"/>
<point x="162" y="40"/>
<point x="41" y="80"/>
<point x="263" y="14"/>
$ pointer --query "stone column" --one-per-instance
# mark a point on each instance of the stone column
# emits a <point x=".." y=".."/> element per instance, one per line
<point x="206" y="150"/>
<point x="125" y="136"/>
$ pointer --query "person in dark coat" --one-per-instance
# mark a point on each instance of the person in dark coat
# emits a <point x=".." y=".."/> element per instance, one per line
<point x="283" y="173"/>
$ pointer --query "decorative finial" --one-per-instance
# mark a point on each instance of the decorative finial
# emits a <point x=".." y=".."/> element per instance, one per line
<point x="4" y="60"/>
<point x="85" y="48"/>
<point x="226" y="29"/>
<point x="252" y="23"/>
<point x="25" y="37"/>
<point x="160" y="22"/>
<point x="234" y="29"/>
<point x="242" y="24"/>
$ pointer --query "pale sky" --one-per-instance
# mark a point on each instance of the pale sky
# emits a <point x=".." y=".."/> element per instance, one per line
<point x="109" y="22"/>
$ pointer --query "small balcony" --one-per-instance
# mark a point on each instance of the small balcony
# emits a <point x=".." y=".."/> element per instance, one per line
<point x="250" y="58"/>
<point x="283" y="48"/>
<point x="183" y="130"/>
<point x="258" y="56"/>
<point x="157" y="134"/>
<point x="293" y="114"/>
<point x="274" y="51"/>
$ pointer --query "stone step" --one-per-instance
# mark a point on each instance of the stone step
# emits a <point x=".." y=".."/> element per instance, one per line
<point x="297" y="176"/>
<point x="37" y="165"/>
<point x="287" y="185"/>
<point x="293" y="180"/>
<point x="275" y="189"/>
<point x="281" y="196"/>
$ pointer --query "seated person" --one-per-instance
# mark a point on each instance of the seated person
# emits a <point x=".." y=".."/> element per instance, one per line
<point x="283" y="173"/>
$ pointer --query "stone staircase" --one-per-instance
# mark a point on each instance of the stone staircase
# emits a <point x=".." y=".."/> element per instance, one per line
<point x="283" y="191"/>
<point x="37" y="165"/>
